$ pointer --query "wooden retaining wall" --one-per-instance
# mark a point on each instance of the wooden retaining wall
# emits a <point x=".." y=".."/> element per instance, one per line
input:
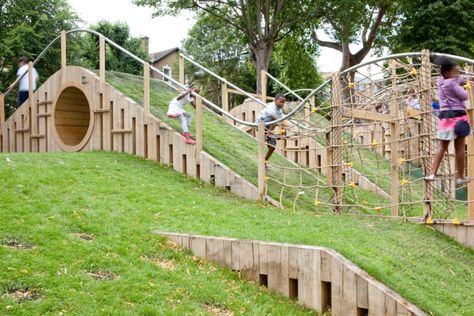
<point x="110" y="121"/>
<point x="319" y="278"/>
<point x="464" y="233"/>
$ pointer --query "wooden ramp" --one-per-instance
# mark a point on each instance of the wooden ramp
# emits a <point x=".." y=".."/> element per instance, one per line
<point x="72" y="111"/>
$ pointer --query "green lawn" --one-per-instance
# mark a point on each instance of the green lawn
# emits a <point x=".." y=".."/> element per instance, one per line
<point x="50" y="201"/>
<point x="45" y="199"/>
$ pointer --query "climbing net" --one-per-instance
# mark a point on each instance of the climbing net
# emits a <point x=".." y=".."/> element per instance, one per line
<point x="364" y="144"/>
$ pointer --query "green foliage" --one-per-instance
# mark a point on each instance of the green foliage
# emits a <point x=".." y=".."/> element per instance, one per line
<point x="225" y="52"/>
<point x="294" y="64"/>
<point x="440" y="26"/>
<point x="26" y="28"/>
<point x="118" y="32"/>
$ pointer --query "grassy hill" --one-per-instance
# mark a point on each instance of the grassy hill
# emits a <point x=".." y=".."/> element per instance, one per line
<point x="51" y="202"/>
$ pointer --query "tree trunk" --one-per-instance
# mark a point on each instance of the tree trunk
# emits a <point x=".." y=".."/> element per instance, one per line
<point x="262" y="53"/>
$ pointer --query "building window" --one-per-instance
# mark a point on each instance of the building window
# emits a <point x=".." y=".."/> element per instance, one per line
<point x="166" y="71"/>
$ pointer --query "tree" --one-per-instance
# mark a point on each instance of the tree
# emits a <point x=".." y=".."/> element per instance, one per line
<point x="26" y="28"/>
<point x="440" y="26"/>
<point x="225" y="52"/>
<point x="263" y="22"/>
<point x="119" y="32"/>
<point x="365" y="22"/>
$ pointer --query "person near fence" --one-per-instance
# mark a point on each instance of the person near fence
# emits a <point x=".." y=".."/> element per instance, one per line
<point x="176" y="110"/>
<point x="24" y="87"/>
<point x="453" y="121"/>
<point x="271" y="112"/>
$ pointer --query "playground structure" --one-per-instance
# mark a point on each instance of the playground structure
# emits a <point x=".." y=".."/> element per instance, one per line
<point x="346" y="135"/>
<point x="77" y="110"/>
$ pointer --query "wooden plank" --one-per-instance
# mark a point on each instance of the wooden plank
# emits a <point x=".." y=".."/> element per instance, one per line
<point x="362" y="292"/>
<point x="236" y="185"/>
<point x="235" y="255"/>
<point x="101" y="62"/>
<point x="337" y="279"/>
<point x="261" y="159"/>
<point x="349" y="292"/>
<point x="376" y="300"/>
<point x="263" y="85"/>
<point x="227" y="251"/>
<point x="215" y="250"/>
<point x="402" y="310"/>
<point x="293" y="263"/>
<point x="220" y="176"/>
<point x="198" y="246"/>
<point x="366" y="115"/>
<point x="390" y="306"/>
<point x="326" y="263"/>
<point x="199" y="140"/>
<point x="146" y="91"/>
<point x="63" y="50"/>
<point x="181" y="70"/>
<point x="246" y="262"/>
<point x="273" y="267"/>
<point x="309" y="278"/>
<point x="263" y="258"/>
<point x="205" y="168"/>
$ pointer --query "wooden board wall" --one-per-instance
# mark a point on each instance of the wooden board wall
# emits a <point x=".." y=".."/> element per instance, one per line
<point x="464" y="234"/>
<point x="318" y="278"/>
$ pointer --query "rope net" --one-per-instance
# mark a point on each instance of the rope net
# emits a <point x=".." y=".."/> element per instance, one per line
<point x="365" y="145"/>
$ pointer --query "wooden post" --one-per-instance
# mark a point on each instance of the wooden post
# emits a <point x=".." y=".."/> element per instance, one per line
<point x="146" y="91"/>
<point x="198" y="128"/>
<point x="394" y="137"/>
<point x="102" y="62"/>
<point x="63" y="50"/>
<point x="225" y="97"/>
<point x="32" y="105"/>
<point x="263" y="85"/>
<point x="329" y="158"/>
<point x="261" y="159"/>
<point x="426" y="130"/>
<point x="181" y="70"/>
<point x="470" y="157"/>
<point x="336" y="142"/>
<point x="2" y="110"/>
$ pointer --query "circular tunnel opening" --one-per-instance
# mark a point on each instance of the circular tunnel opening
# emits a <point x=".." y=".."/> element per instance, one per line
<point x="72" y="118"/>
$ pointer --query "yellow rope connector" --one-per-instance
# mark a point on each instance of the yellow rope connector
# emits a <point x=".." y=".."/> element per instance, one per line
<point x="266" y="179"/>
<point x="402" y="161"/>
<point x="405" y="182"/>
<point x="374" y="144"/>
<point x="314" y="109"/>
<point x="364" y="202"/>
<point x="378" y="209"/>
<point x="350" y="164"/>
<point x="352" y="184"/>
<point x="413" y="72"/>
<point x="456" y="221"/>
<point x="282" y="131"/>
<point x="467" y="86"/>
<point x="351" y="85"/>
<point x="266" y="162"/>
<point x="429" y="220"/>
<point x="316" y="202"/>
<point x="345" y="142"/>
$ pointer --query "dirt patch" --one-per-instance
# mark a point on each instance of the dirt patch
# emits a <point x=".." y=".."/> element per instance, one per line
<point x="21" y="295"/>
<point x="218" y="311"/>
<point x="103" y="275"/>
<point x="166" y="264"/>
<point x="17" y="244"/>
<point x="84" y="236"/>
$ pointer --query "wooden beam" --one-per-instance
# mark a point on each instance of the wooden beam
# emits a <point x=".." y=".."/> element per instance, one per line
<point x="395" y="137"/>
<point x="198" y="128"/>
<point x="225" y="97"/>
<point x="2" y="109"/>
<point x="102" y="62"/>
<point x="146" y="91"/>
<point x="366" y="115"/>
<point x="261" y="159"/>
<point x="336" y="142"/>
<point x="181" y="70"/>
<point x="470" y="157"/>
<point x="63" y="50"/>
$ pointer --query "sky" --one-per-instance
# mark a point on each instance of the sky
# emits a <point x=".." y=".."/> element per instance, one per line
<point x="163" y="32"/>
